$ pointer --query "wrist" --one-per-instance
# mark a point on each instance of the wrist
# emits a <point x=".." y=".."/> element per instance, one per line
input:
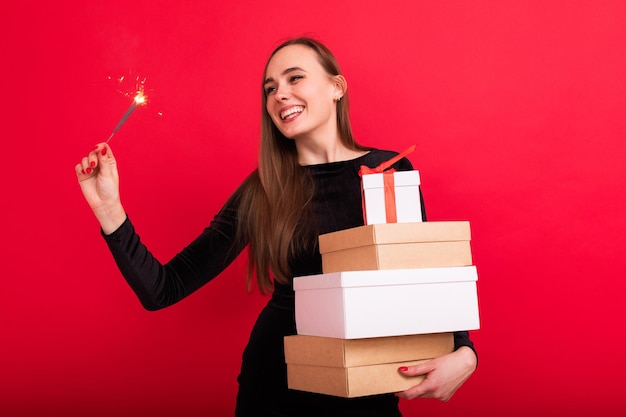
<point x="468" y="356"/>
<point x="110" y="216"/>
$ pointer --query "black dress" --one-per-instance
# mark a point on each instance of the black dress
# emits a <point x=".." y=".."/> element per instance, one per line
<point x="262" y="381"/>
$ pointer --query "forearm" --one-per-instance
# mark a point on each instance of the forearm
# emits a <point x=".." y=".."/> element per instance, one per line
<point x="159" y="285"/>
<point x="137" y="265"/>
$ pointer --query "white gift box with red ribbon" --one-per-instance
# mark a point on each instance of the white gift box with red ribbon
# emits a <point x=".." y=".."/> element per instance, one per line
<point x="391" y="197"/>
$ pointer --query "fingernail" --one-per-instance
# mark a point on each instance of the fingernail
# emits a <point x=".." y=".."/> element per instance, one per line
<point x="403" y="369"/>
<point x="93" y="164"/>
<point x="95" y="147"/>
<point x="82" y="171"/>
<point x="104" y="151"/>
<point x="88" y="170"/>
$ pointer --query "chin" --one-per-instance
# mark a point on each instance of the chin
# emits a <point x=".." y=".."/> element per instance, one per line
<point x="289" y="134"/>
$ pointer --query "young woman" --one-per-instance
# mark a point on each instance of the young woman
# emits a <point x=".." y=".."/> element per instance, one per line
<point x="306" y="184"/>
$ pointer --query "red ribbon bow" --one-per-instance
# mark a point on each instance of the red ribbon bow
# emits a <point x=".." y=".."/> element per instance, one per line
<point x="390" y="194"/>
<point x="387" y="164"/>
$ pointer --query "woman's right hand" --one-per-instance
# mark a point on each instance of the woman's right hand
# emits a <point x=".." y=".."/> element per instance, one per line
<point x="99" y="181"/>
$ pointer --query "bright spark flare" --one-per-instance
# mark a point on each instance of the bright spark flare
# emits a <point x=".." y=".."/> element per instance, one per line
<point x="139" y="100"/>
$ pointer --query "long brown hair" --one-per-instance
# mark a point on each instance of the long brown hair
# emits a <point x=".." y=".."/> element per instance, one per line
<point x="277" y="195"/>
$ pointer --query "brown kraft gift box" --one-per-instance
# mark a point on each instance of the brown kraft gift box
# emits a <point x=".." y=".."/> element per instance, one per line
<point x="397" y="246"/>
<point x="359" y="367"/>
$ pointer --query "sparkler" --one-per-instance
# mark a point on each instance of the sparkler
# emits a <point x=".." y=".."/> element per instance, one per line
<point x="138" y="100"/>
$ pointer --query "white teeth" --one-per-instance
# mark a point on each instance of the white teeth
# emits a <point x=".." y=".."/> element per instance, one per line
<point x="293" y="110"/>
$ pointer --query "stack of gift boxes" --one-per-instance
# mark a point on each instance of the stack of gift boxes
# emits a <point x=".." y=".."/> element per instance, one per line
<point x="390" y="295"/>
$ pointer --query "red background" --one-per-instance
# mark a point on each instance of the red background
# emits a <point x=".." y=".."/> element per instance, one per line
<point x="517" y="110"/>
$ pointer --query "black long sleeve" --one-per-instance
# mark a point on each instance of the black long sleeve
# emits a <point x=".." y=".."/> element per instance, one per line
<point x="159" y="285"/>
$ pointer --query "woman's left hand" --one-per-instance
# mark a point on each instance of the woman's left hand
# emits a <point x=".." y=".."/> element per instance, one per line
<point x="443" y="375"/>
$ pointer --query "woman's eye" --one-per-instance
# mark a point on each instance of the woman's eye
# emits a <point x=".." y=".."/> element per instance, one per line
<point x="292" y="79"/>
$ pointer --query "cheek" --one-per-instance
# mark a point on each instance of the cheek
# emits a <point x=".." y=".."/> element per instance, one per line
<point x="268" y="109"/>
<point x="272" y="116"/>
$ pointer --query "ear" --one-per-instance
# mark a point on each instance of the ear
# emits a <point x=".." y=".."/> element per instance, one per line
<point x="340" y="86"/>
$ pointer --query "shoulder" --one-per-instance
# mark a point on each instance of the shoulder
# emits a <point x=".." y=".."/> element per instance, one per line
<point x="246" y="190"/>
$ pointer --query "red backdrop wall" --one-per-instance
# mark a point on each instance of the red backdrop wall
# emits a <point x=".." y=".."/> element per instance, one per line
<point x="517" y="110"/>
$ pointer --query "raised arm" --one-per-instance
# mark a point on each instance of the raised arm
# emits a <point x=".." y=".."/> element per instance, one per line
<point x="156" y="284"/>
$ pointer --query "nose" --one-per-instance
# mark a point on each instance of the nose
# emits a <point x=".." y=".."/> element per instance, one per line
<point x="282" y="93"/>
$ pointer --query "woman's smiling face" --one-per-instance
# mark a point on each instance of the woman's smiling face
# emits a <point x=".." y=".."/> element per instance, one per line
<point x="301" y="94"/>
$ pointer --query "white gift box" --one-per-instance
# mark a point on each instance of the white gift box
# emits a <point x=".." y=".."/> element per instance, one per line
<point x="407" y="197"/>
<point x="361" y="304"/>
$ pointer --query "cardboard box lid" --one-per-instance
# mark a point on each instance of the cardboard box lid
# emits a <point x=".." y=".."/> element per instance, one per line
<point x="384" y="233"/>
<point x="334" y="352"/>
<point x="352" y="382"/>
<point x="400" y="179"/>
<point x="347" y="279"/>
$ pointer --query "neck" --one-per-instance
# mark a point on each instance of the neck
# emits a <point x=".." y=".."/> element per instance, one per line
<point x="315" y="152"/>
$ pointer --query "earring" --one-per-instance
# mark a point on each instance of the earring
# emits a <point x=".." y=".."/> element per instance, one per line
<point x="337" y="99"/>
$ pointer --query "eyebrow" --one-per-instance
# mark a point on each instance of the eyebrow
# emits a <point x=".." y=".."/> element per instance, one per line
<point x="287" y="71"/>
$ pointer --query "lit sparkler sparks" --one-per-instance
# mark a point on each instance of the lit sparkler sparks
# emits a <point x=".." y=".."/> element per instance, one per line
<point x="138" y="100"/>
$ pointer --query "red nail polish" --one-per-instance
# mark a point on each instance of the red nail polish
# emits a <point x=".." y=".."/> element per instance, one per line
<point x="88" y="170"/>
<point x="93" y="164"/>
<point x="95" y="147"/>
<point x="404" y="369"/>
<point x="82" y="171"/>
<point x="104" y="151"/>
